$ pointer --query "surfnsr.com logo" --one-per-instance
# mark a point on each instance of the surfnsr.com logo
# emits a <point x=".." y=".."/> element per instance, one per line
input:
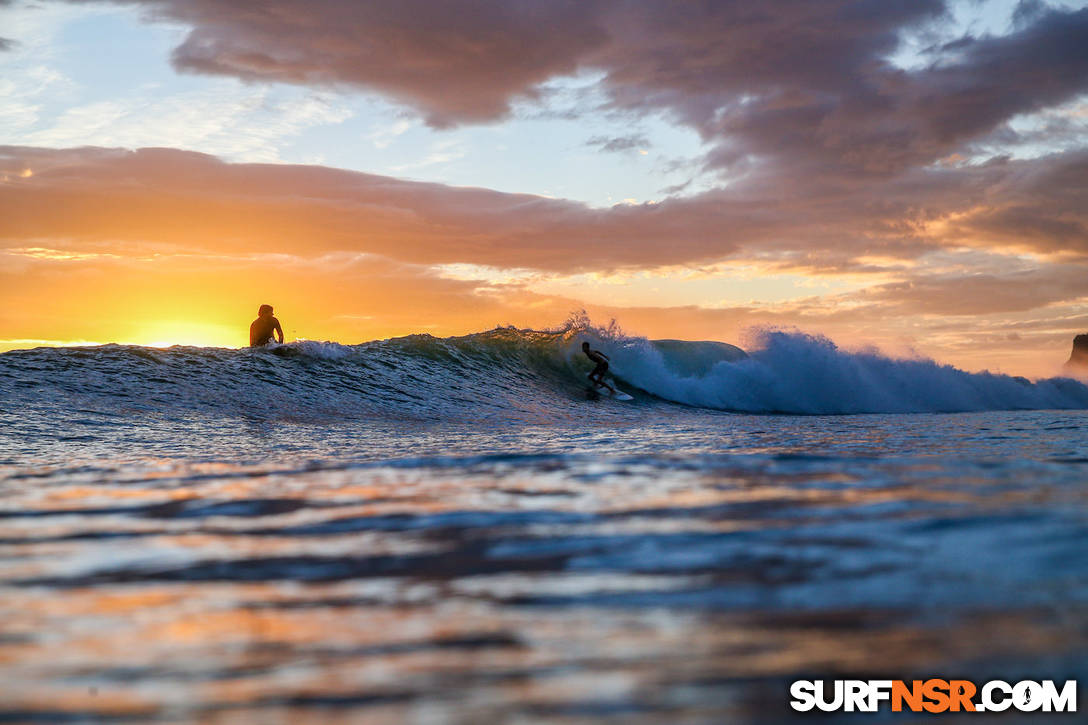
<point x="933" y="695"/>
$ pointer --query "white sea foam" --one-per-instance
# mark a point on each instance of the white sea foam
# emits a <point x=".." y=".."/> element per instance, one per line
<point x="801" y="373"/>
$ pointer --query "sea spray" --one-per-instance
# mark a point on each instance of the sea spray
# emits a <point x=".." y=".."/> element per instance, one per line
<point x="794" y="372"/>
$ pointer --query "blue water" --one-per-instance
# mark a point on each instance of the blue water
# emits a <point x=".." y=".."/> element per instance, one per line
<point x="457" y="530"/>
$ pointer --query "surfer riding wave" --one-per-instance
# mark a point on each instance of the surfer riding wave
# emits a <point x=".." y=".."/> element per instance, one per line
<point x="597" y="375"/>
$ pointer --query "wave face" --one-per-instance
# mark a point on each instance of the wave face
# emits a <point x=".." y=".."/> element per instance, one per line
<point x="506" y="375"/>
<point x="791" y="372"/>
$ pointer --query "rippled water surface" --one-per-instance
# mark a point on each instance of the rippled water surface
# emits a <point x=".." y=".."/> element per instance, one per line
<point x="583" y="562"/>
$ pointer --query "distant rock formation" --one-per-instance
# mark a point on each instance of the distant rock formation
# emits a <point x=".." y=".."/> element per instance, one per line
<point x="1079" y="358"/>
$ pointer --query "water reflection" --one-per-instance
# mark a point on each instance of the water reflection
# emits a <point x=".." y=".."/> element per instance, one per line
<point x="563" y="588"/>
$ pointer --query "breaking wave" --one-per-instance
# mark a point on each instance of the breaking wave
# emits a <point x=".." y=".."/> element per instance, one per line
<point x="506" y="374"/>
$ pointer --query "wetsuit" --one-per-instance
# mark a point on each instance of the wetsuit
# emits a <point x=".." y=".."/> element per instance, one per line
<point x="602" y="364"/>
<point x="260" y="332"/>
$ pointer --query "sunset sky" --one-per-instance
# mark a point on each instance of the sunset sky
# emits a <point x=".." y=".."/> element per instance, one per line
<point x="910" y="174"/>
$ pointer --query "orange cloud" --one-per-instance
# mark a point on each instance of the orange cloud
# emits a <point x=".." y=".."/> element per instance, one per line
<point x="157" y="244"/>
<point x="161" y="198"/>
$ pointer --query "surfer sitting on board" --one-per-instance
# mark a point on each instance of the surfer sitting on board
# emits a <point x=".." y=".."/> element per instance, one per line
<point x="597" y="376"/>
<point x="260" y="332"/>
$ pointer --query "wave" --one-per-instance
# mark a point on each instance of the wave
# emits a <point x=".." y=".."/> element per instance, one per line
<point x="507" y="374"/>
<point x="793" y="372"/>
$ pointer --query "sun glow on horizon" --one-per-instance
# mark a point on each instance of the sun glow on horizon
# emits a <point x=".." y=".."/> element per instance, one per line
<point x="154" y="334"/>
<point x="168" y="333"/>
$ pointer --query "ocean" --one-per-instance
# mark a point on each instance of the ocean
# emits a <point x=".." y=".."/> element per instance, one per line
<point x="456" y="530"/>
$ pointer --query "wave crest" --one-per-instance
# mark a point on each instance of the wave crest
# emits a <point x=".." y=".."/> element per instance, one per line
<point x="510" y="374"/>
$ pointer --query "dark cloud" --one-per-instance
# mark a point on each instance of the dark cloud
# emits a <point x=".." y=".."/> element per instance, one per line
<point x="808" y="87"/>
<point x="619" y="143"/>
<point x="675" y="188"/>
<point x="455" y="62"/>
<point x="1042" y="64"/>
<point x="801" y="87"/>
<point x="7" y="43"/>
<point x="878" y="120"/>
<point x="1027" y="11"/>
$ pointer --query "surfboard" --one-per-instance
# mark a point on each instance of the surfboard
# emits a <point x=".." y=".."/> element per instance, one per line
<point x="618" y="395"/>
